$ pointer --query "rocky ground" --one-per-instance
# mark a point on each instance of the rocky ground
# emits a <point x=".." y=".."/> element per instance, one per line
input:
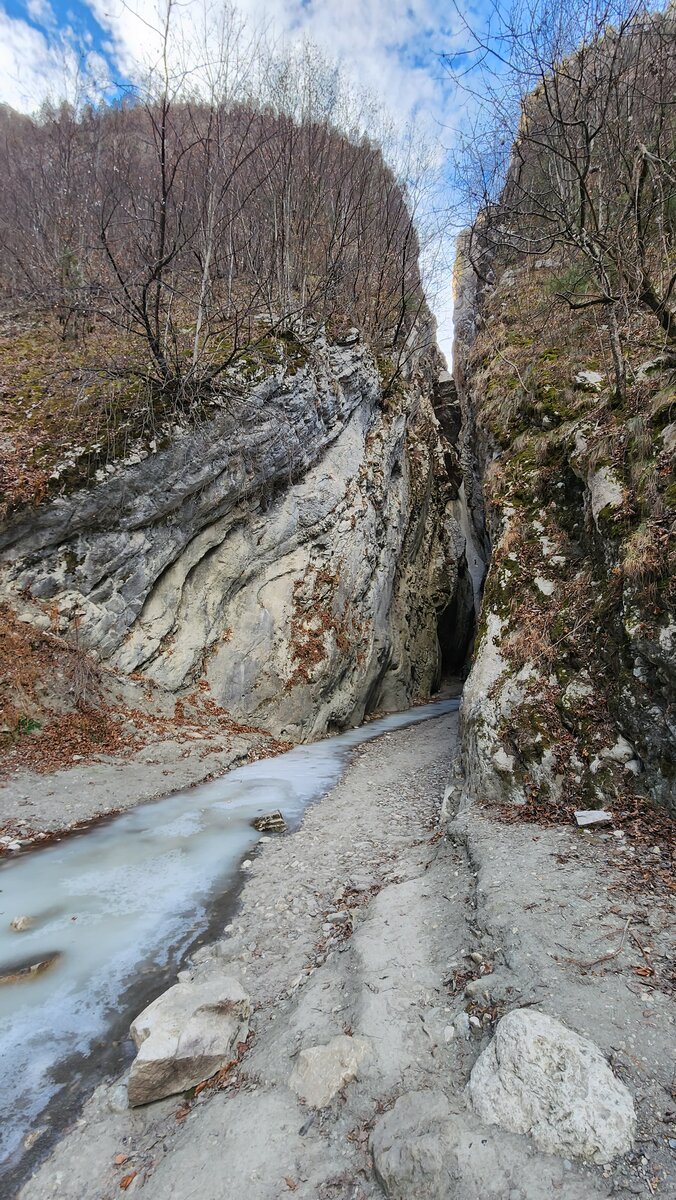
<point x="380" y="946"/>
<point x="36" y="807"/>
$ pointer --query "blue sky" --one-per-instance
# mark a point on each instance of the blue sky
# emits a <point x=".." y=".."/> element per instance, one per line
<point x="53" y="49"/>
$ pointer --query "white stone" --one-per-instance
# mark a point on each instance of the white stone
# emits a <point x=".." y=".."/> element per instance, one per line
<point x="503" y="761"/>
<point x="577" y="690"/>
<point x="668" y="436"/>
<point x="538" y="1077"/>
<point x="589" y="381"/>
<point x="621" y="752"/>
<point x="186" y="1035"/>
<point x="592" y="816"/>
<point x="581" y="442"/>
<point x="606" y="491"/>
<point x="546" y="586"/>
<point x="21" y="924"/>
<point x="321" y="1071"/>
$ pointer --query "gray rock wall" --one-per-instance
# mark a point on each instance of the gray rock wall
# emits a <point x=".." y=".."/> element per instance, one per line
<point x="295" y="552"/>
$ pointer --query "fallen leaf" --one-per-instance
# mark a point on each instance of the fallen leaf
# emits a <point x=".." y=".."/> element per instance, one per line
<point x="644" y="971"/>
<point x="127" y="1180"/>
<point x="119" y="1159"/>
<point x="181" y="1113"/>
<point x="291" y="1184"/>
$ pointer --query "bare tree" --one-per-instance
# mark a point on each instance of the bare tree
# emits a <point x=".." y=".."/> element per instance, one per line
<point x="214" y="207"/>
<point x="573" y="148"/>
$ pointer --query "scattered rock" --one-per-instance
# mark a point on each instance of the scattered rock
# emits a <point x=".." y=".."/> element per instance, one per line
<point x="589" y="381"/>
<point x="338" y="918"/>
<point x="621" y="752"/>
<point x="349" y="338"/>
<point x="21" y="924"/>
<point x="593" y="816"/>
<point x="546" y="586"/>
<point x="539" y="1077"/>
<point x="33" y="1137"/>
<point x="322" y="1071"/>
<point x="668" y="436"/>
<point x="409" y="1148"/>
<point x="272" y="822"/>
<point x="578" y="689"/>
<point x="20" y="972"/>
<point x="502" y="760"/>
<point x="461" y="1025"/>
<point x="185" y="1036"/>
<point x="606" y="491"/>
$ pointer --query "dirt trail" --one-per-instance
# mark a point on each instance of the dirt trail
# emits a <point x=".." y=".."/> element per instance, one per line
<point x="452" y="919"/>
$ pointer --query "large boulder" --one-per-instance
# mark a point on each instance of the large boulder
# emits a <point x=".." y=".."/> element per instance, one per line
<point x="412" y="1146"/>
<point x="321" y="1071"/>
<point x="185" y="1036"/>
<point x="540" y="1078"/>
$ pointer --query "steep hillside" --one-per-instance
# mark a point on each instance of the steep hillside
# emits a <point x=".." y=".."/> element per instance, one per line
<point x="570" y="700"/>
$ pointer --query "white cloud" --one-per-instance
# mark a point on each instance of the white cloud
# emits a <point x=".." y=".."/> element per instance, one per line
<point x="30" y="67"/>
<point x="36" y="66"/>
<point x="41" y="13"/>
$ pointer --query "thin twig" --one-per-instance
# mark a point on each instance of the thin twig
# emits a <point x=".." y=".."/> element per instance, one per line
<point x="604" y="957"/>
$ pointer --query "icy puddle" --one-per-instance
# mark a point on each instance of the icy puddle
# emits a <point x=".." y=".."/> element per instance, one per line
<point x="115" y="911"/>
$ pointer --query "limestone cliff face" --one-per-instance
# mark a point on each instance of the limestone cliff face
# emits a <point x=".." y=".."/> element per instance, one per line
<point x="297" y="553"/>
<point x="570" y="698"/>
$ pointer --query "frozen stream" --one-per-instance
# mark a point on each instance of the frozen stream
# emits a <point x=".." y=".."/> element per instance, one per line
<point x="122" y="904"/>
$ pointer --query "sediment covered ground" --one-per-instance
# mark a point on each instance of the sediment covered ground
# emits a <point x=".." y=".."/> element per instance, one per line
<point x="394" y="930"/>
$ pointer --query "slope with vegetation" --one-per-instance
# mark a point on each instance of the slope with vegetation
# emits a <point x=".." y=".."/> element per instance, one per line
<point x="566" y="358"/>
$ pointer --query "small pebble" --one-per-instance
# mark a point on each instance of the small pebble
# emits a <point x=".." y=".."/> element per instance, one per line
<point x="20" y="924"/>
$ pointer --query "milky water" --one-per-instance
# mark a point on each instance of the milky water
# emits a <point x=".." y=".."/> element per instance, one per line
<point x="126" y="900"/>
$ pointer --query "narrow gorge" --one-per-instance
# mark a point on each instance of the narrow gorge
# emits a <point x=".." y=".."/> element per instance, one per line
<point x="337" y="735"/>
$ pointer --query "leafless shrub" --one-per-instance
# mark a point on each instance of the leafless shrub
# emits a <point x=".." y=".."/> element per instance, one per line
<point x="573" y="150"/>
<point x="82" y="671"/>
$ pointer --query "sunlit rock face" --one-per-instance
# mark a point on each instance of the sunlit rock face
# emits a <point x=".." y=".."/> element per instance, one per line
<point x="297" y="553"/>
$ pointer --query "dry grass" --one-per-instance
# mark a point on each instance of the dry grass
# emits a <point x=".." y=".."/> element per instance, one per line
<point x="531" y="643"/>
<point x="645" y="553"/>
